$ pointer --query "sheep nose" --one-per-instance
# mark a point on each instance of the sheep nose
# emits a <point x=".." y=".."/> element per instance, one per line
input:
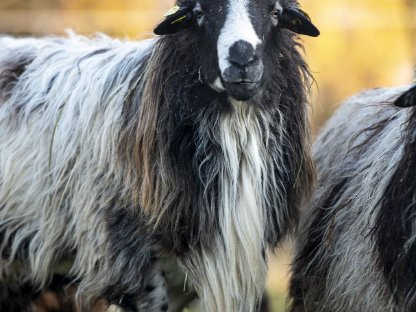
<point x="242" y="54"/>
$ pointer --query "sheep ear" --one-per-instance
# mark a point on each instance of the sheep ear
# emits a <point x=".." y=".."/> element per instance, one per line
<point x="407" y="99"/>
<point x="298" y="21"/>
<point x="176" y="20"/>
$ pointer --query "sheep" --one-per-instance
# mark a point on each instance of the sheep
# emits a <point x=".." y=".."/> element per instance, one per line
<point x="115" y="155"/>
<point x="355" y="248"/>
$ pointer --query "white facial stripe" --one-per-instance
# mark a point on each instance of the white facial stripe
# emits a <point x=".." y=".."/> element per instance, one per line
<point x="238" y="26"/>
<point x="278" y="6"/>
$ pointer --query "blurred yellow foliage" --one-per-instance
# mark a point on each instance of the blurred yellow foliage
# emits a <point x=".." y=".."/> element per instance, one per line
<point x="364" y="44"/>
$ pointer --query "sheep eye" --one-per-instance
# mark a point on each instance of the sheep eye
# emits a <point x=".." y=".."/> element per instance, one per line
<point x="275" y="13"/>
<point x="199" y="14"/>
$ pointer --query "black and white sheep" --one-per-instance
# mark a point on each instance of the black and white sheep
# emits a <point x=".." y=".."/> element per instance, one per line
<point x="114" y="154"/>
<point x="356" y="248"/>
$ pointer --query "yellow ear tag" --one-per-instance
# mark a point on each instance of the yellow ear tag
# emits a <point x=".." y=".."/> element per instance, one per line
<point x="172" y="11"/>
<point x="180" y="19"/>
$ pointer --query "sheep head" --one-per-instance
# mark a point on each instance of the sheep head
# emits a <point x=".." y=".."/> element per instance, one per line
<point x="238" y="39"/>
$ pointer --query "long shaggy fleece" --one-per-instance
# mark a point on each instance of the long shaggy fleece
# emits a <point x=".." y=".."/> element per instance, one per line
<point x="355" y="249"/>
